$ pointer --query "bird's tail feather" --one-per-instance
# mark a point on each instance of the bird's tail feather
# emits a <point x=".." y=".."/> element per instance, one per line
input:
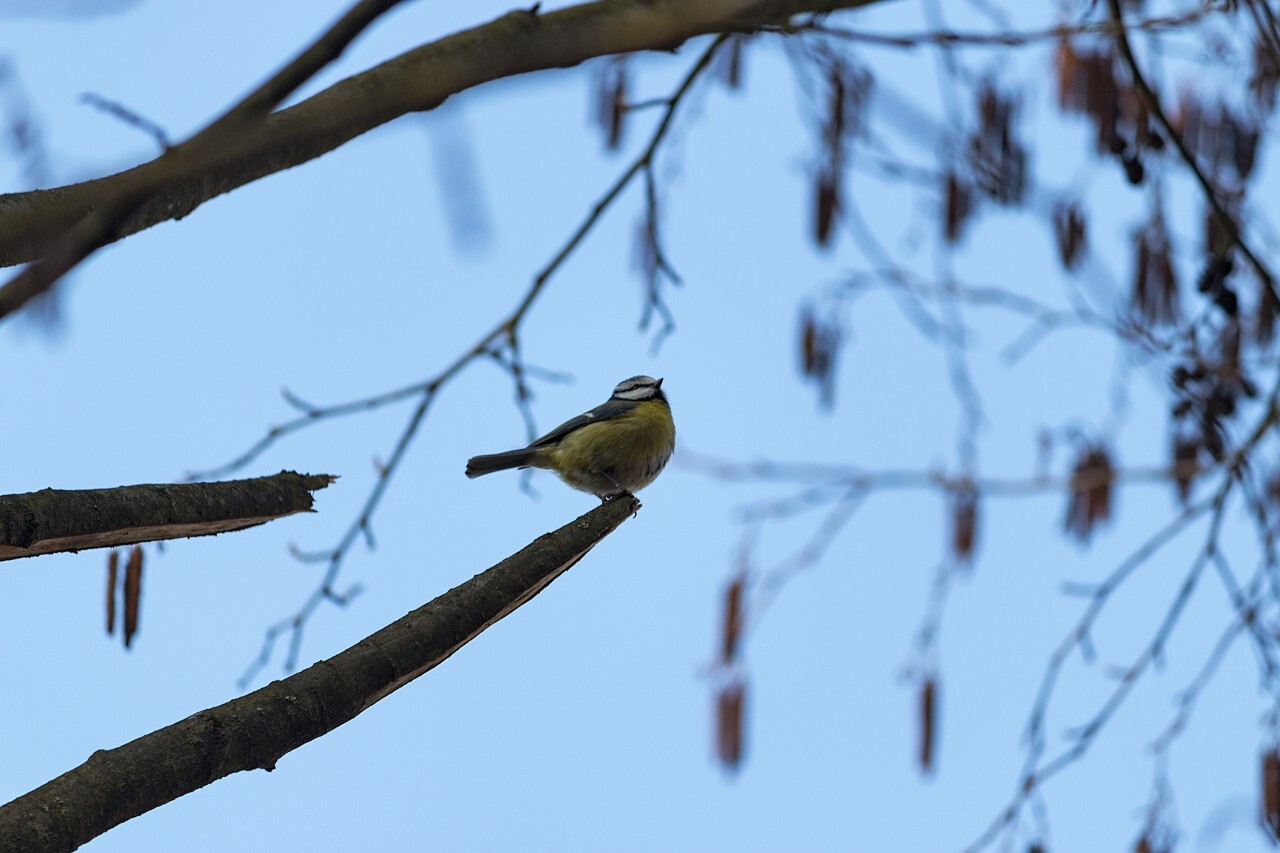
<point x="478" y="466"/>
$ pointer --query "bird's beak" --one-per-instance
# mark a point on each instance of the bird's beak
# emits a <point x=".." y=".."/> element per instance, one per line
<point x="659" y="383"/>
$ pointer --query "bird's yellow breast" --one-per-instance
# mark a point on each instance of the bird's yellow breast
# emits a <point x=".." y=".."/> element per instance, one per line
<point x="628" y="451"/>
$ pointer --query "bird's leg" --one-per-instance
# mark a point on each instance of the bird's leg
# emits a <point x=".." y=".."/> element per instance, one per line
<point x="621" y="491"/>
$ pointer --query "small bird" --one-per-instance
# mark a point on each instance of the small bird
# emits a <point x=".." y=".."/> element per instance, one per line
<point x="619" y="447"/>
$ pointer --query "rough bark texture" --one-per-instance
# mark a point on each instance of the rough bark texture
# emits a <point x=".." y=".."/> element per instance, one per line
<point x="254" y="731"/>
<point x="54" y="520"/>
<point x="421" y="79"/>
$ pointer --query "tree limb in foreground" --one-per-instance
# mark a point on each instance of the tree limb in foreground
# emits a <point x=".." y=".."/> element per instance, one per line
<point x="255" y="730"/>
<point x="54" y="520"/>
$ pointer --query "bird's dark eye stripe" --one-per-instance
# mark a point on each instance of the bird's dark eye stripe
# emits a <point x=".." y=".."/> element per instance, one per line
<point x="635" y="382"/>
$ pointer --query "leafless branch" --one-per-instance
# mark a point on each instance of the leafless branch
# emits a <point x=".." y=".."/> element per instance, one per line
<point x="129" y="117"/>
<point x="946" y="38"/>
<point x="56" y="229"/>
<point x="1036" y="772"/>
<point x="501" y="343"/>
<point x="208" y="147"/>
<point x="1211" y="192"/>
<point x="257" y="730"/>
<point x="1037" y="769"/>
<point x="833" y="476"/>
<point x="55" y="520"/>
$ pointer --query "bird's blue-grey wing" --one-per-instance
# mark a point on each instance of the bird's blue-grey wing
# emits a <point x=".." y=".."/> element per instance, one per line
<point x="610" y="409"/>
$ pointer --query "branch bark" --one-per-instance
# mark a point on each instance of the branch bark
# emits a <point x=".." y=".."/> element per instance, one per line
<point x="53" y="520"/>
<point x="61" y="251"/>
<point x="174" y="184"/>
<point x="257" y="729"/>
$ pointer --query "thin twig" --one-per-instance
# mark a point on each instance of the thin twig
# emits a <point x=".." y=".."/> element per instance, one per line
<point x="839" y="476"/>
<point x="129" y="117"/>
<point x="945" y="38"/>
<point x="1036" y="770"/>
<point x="503" y="339"/>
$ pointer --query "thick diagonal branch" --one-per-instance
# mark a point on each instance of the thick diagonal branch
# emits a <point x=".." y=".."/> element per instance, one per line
<point x="177" y="182"/>
<point x="256" y="730"/>
<point x="53" y="520"/>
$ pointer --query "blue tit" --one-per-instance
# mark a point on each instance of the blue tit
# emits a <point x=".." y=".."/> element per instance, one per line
<point x="618" y="447"/>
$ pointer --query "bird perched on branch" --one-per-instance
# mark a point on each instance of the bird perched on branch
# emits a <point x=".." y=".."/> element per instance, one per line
<point x="619" y="447"/>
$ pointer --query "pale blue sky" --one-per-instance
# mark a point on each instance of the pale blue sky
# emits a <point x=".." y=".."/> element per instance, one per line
<point x="582" y="722"/>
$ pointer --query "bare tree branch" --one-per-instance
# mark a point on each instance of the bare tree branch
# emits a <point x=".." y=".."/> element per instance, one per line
<point x="941" y="37"/>
<point x="60" y="248"/>
<point x="53" y="520"/>
<point x="1211" y="192"/>
<point x="1037" y="768"/>
<point x="501" y="343"/>
<point x="256" y="730"/>
<point x="247" y="144"/>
